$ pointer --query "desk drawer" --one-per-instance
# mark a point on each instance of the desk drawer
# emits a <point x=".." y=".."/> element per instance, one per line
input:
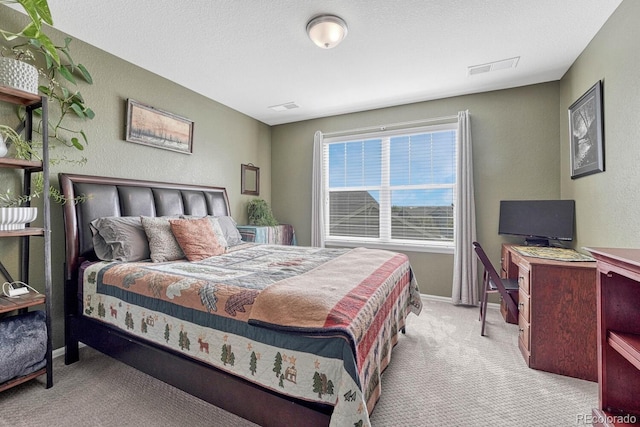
<point x="524" y="304"/>
<point x="505" y="260"/>
<point x="524" y="279"/>
<point x="524" y="332"/>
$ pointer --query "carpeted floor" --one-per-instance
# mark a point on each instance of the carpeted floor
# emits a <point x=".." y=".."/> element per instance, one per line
<point x="442" y="373"/>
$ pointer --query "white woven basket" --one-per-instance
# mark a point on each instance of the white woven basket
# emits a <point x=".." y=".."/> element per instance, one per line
<point x="18" y="75"/>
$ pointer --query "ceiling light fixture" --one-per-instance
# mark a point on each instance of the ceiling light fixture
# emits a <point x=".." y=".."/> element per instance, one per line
<point x="327" y="31"/>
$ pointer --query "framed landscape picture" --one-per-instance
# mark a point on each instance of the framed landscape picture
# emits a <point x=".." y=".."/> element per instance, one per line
<point x="585" y="133"/>
<point x="150" y="126"/>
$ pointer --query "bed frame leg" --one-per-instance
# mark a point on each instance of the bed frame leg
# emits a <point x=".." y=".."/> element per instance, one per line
<point x="71" y="354"/>
<point x="71" y="345"/>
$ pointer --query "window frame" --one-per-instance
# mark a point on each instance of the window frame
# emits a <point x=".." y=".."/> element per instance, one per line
<point x="386" y="242"/>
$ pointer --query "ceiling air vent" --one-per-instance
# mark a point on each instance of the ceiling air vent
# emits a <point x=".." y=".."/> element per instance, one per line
<point x="284" y="107"/>
<point x="493" y="66"/>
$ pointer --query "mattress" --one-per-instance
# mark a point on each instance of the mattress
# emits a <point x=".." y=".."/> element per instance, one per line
<point x="311" y="323"/>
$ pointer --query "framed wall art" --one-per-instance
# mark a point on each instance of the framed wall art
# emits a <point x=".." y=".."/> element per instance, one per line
<point x="585" y="133"/>
<point x="151" y="126"/>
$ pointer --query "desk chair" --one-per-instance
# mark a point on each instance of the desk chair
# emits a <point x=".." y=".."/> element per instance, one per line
<point x="492" y="283"/>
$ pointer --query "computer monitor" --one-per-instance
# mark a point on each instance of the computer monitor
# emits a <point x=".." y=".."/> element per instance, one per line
<point x="538" y="220"/>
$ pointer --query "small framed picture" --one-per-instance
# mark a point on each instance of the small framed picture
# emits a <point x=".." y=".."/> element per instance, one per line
<point x="157" y="128"/>
<point x="585" y="133"/>
<point x="250" y="179"/>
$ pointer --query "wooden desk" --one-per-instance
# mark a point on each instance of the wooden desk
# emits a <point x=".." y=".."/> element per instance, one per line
<point x="282" y="234"/>
<point x="557" y="313"/>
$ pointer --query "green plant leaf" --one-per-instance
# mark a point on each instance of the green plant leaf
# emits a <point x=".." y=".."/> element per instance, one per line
<point x="31" y="31"/>
<point x="41" y="41"/>
<point x="31" y="8"/>
<point x="49" y="48"/>
<point x="42" y="8"/>
<point x="77" y="98"/>
<point x="85" y="74"/>
<point x="67" y="55"/>
<point x="45" y="90"/>
<point x="49" y="61"/>
<point x="8" y="36"/>
<point x="66" y="73"/>
<point x="89" y="113"/>
<point x="77" y="109"/>
<point x="76" y="143"/>
<point x="84" y="136"/>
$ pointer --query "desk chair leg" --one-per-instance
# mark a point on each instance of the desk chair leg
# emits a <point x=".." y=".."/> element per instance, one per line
<point x="483" y="303"/>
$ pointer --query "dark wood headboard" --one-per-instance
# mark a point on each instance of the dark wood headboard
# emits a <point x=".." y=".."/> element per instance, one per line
<point x="127" y="197"/>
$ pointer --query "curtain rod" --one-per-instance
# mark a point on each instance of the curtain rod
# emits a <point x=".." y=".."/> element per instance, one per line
<point x="385" y="127"/>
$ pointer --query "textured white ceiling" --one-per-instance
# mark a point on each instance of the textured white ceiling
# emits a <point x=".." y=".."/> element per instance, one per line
<point x="252" y="54"/>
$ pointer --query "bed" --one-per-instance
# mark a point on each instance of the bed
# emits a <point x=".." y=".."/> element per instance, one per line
<point x="301" y="333"/>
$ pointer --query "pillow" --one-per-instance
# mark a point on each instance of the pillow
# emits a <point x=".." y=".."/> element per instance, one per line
<point x="119" y="238"/>
<point x="216" y="228"/>
<point x="162" y="244"/>
<point x="231" y="233"/>
<point x="215" y="223"/>
<point x="196" y="238"/>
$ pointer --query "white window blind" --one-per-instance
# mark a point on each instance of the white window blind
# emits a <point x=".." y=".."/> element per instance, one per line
<point x="391" y="187"/>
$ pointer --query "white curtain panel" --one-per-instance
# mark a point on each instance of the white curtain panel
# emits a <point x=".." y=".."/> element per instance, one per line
<point x="317" y="201"/>
<point x="465" y="272"/>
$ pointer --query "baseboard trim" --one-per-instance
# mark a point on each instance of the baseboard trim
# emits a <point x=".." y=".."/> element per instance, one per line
<point x="427" y="297"/>
<point x="61" y="351"/>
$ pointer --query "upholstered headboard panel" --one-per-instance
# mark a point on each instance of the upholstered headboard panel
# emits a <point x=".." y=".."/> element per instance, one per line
<point x="126" y="197"/>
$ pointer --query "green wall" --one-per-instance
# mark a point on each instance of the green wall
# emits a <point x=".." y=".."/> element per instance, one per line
<point x="521" y="150"/>
<point x="520" y="143"/>
<point x="608" y="203"/>
<point x="515" y="136"/>
<point x="223" y="139"/>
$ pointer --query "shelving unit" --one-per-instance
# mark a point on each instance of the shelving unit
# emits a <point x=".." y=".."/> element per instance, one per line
<point x="22" y="303"/>
<point x="618" y="286"/>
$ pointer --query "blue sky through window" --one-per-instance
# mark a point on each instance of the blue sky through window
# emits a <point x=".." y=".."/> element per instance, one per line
<point x="421" y="159"/>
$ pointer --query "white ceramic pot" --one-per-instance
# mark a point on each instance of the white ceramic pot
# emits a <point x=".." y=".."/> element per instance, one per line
<point x="16" y="218"/>
<point x="18" y="75"/>
<point x="3" y="147"/>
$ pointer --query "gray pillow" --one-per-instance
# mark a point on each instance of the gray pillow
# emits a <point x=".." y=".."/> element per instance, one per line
<point x="217" y="229"/>
<point x="119" y="238"/>
<point x="231" y="233"/>
<point x="162" y="243"/>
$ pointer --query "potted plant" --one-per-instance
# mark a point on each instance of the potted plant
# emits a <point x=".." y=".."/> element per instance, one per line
<point x="58" y="72"/>
<point x="32" y="45"/>
<point x="20" y="74"/>
<point x="260" y="213"/>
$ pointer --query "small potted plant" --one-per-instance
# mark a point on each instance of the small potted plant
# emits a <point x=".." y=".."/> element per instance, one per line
<point x="260" y="213"/>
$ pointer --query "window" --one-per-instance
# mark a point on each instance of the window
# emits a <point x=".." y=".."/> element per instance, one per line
<point x="391" y="188"/>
